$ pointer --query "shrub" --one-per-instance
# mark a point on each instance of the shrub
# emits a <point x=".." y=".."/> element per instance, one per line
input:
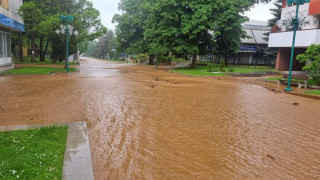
<point x="210" y="67"/>
<point x="179" y="59"/>
<point x="143" y="57"/>
<point x="312" y="59"/>
<point x="231" y="70"/>
<point x="202" y="64"/>
<point x="222" y="65"/>
<point x="165" y="58"/>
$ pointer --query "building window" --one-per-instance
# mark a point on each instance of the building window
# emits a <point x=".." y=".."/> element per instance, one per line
<point x="5" y="48"/>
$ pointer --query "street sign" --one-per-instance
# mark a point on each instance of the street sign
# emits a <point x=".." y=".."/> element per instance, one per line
<point x="300" y="2"/>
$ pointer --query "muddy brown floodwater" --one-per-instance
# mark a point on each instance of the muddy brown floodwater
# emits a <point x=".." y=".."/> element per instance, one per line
<point x="151" y="124"/>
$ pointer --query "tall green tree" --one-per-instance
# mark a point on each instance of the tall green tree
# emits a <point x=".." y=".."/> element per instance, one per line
<point x="32" y="17"/>
<point x="180" y="26"/>
<point x="271" y="53"/>
<point x="42" y="18"/>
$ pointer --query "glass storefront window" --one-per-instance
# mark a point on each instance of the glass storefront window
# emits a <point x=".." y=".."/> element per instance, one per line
<point x="1" y="45"/>
<point x="5" y="48"/>
<point x="8" y="45"/>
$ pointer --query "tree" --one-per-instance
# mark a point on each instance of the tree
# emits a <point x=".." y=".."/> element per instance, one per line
<point x="276" y="12"/>
<point x="32" y="18"/>
<point x="103" y="44"/>
<point x="130" y="26"/>
<point x="181" y="26"/>
<point x="312" y="59"/>
<point x="42" y="18"/>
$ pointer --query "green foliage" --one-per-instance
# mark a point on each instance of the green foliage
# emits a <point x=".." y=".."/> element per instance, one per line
<point x="312" y="59"/>
<point x="230" y="70"/>
<point x="222" y="66"/>
<point x="37" y="70"/>
<point x="315" y="92"/>
<point x="203" y="70"/>
<point x="107" y="47"/>
<point x="210" y="67"/>
<point x="202" y="63"/>
<point x="42" y="18"/>
<point x="33" y="154"/>
<point x="181" y="26"/>
<point x="143" y="57"/>
<point x="276" y="12"/>
<point x="198" y="71"/>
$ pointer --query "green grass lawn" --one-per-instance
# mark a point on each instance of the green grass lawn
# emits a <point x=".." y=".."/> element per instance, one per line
<point x="199" y="71"/>
<point x="202" y="70"/>
<point x="117" y="61"/>
<point x="37" y="70"/>
<point x="310" y="81"/>
<point x="315" y="92"/>
<point x="33" y="154"/>
<point x="27" y="60"/>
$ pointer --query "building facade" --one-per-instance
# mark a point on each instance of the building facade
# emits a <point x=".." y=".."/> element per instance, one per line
<point x="252" y="49"/>
<point x="10" y="22"/>
<point x="308" y="32"/>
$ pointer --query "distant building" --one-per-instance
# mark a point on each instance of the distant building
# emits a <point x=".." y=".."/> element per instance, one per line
<point x="252" y="49"/>
<point x="9" y="22"/>
<point x="308" y="32"/>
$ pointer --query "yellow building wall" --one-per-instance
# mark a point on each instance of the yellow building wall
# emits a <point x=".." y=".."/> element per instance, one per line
<point x="25" y="52"/>
<point x="4" y="4"/>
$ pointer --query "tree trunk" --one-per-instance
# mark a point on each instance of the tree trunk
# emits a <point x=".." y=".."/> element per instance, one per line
<point x="194" y="61"/>
<point x="151" y="57"/>
<point x="76" y="57"/>
<point x="41" y="50"/>
<point x="21" y="47"/>
<point x="33" y="49"/>
<point x="226" y="60"/>
<point x="45" y="49"/>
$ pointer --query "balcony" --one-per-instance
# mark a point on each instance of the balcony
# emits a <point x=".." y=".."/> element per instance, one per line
<point x="304" y="38"/>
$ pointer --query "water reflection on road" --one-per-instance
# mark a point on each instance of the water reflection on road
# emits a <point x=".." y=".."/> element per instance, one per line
<point x="150" y="124"/>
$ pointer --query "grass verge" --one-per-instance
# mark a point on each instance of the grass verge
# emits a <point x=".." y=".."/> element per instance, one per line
<point x="202" y="70"/>
<point x="48" y="61"/>
<point x="117" y="61"/>
<point x="33" y="154"/>
<point x="37" y="70"/>
<point x="310" y="81"/>
<point x="315" y="92"/>
<point x="199" y="71"/>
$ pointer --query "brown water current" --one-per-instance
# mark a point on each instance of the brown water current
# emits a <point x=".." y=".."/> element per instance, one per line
<point x="151" y="124"/>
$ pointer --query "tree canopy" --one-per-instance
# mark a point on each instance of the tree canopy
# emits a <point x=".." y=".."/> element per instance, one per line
<point x="181" y="26"/>
<point x="42" y="18"/>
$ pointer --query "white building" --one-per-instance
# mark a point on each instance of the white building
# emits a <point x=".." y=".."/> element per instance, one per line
<point x="308" y="32"/>
<point x="9" y="22"/>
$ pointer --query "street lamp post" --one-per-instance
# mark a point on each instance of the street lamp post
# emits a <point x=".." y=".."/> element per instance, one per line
<point x="67" y="29"/>
<point x="295" y="27"/>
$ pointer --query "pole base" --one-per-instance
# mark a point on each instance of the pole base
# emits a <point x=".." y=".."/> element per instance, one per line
<point x="288" y="89"/>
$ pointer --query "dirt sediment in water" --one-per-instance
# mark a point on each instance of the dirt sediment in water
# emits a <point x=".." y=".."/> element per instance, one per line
<point x="151" y="124"/>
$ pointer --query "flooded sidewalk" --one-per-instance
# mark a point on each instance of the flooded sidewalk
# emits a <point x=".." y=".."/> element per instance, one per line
<point x="145" y="123"/>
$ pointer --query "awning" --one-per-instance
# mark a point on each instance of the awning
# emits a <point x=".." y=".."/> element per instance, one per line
<point x="11" y="24"/>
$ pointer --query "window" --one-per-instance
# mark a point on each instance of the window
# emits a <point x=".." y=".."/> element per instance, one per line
<point x="5" y="48"/>
<point x="1" y="45"/>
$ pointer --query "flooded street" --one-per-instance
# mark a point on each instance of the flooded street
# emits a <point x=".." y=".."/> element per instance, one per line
<point x="151" y="124"/>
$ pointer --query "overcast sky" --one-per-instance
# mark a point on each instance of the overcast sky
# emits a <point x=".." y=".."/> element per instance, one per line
<point x="108" y="8"/>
